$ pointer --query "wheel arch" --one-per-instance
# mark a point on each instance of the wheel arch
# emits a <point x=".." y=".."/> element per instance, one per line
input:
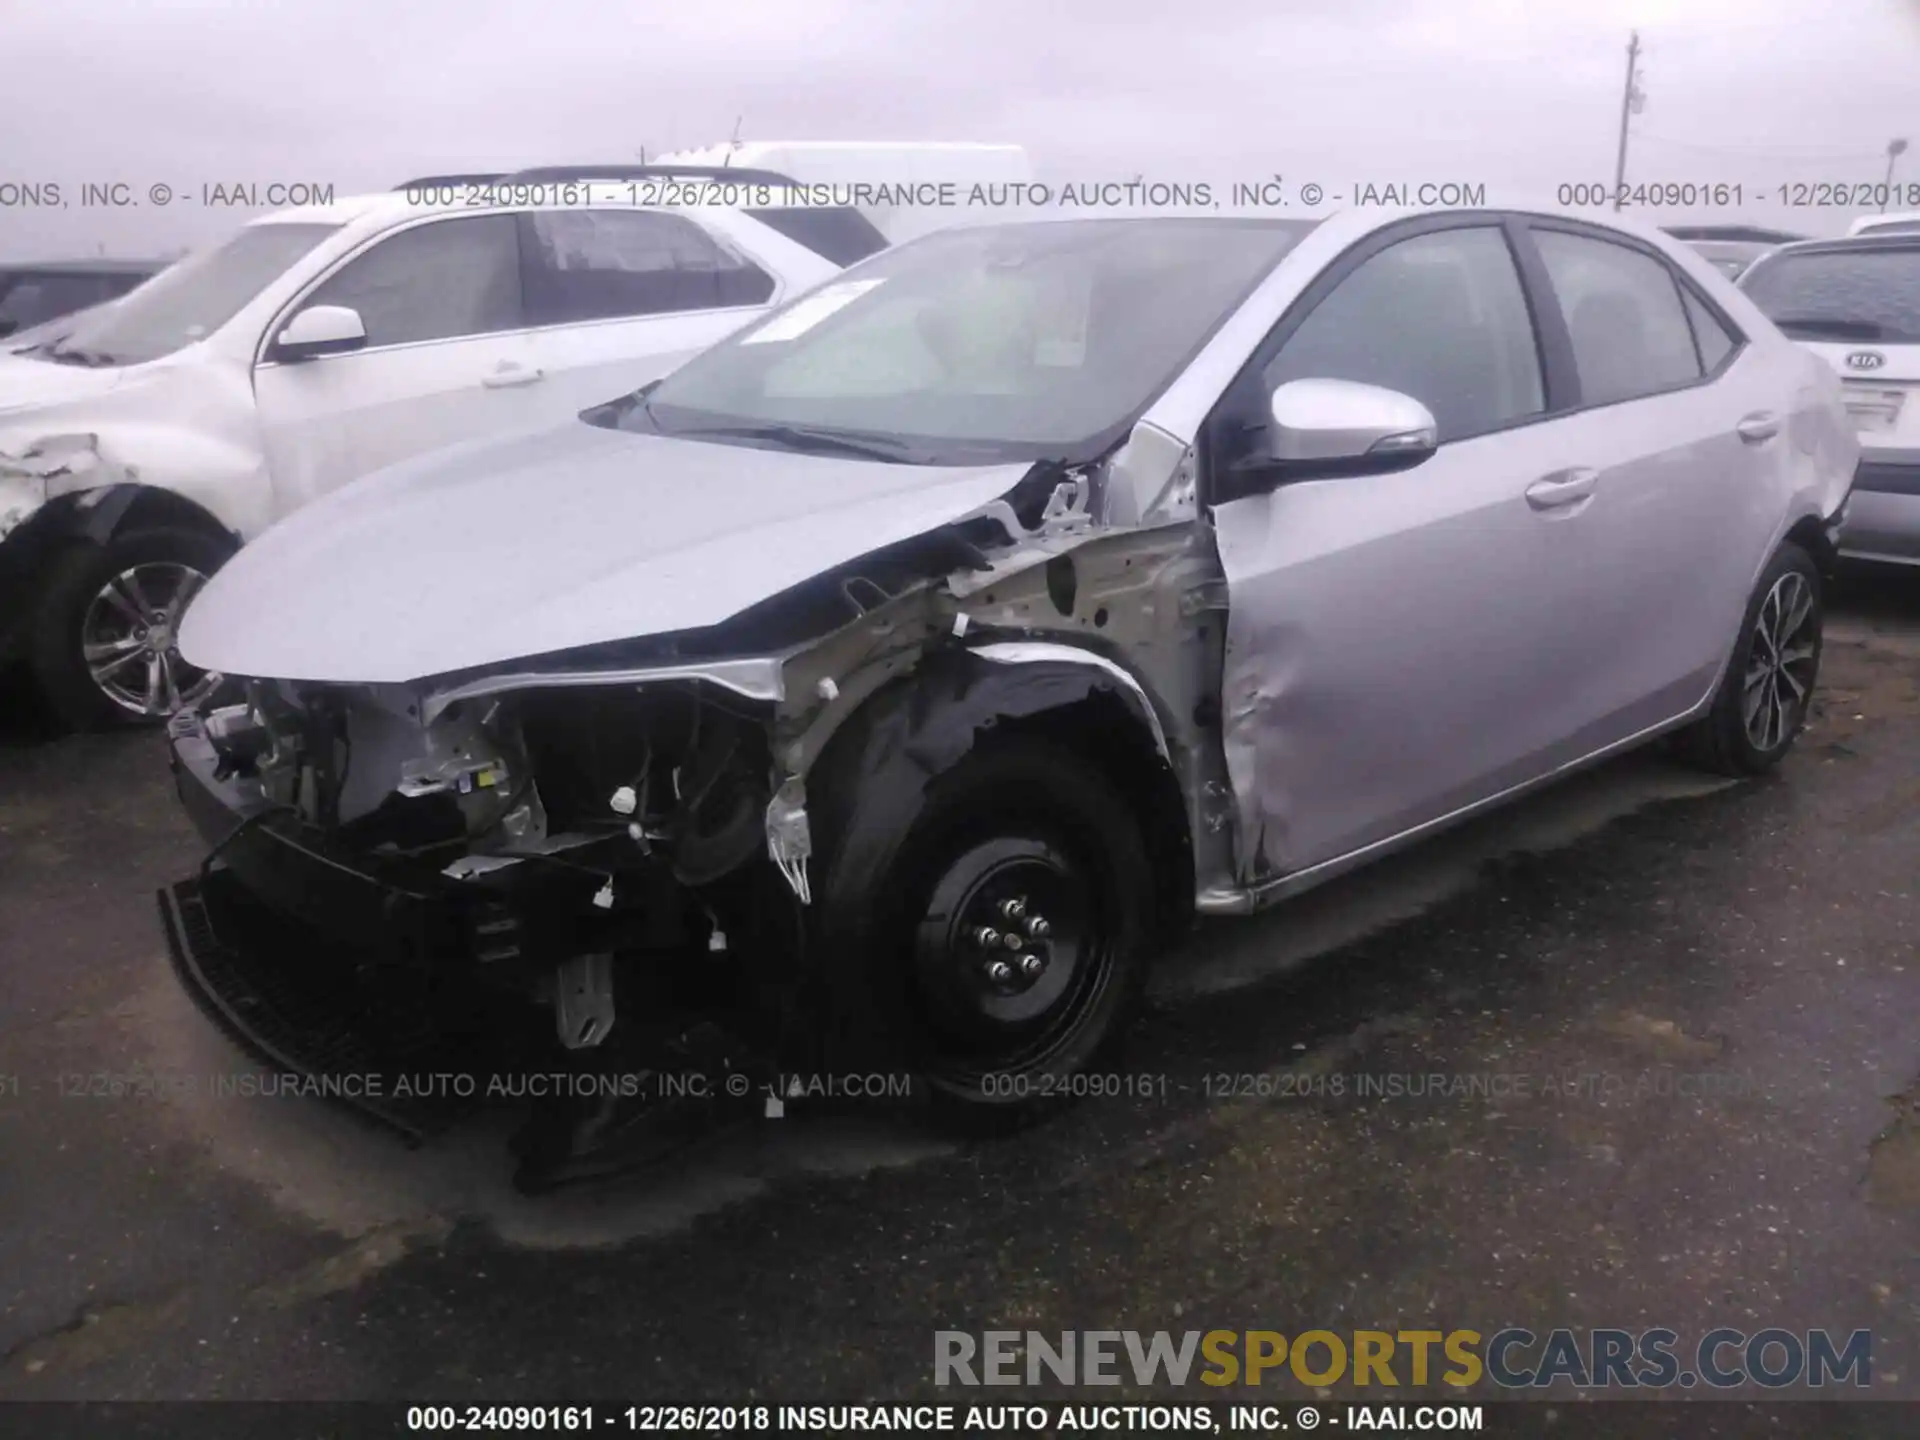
<point x="872" y="777"/>
<point x="86" y="517"/>
<point x="102" y="513"/>
<point x="1814" y="534"/>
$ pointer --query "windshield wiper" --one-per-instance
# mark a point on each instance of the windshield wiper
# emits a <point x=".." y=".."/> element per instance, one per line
<point x="804" y="438"/>
<point x="94" y="359"/>
<point x="1838" y="328"/>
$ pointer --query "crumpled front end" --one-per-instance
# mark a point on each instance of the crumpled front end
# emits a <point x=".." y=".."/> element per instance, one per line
<point x="523" y="853"/>
<point x="487" y="861"/>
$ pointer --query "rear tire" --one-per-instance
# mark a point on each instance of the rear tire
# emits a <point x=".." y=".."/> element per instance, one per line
<point x="104" y="622"/>
<point x="994" y="1034"/>
<point x="1767" y="691"/>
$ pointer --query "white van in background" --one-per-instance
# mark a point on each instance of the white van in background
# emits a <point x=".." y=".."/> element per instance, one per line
<point x="877" y="162"/>
<point x="1903" y="222"/>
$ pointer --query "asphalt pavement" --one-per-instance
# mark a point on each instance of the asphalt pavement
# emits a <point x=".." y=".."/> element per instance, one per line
<point x="1639" y="1052"/>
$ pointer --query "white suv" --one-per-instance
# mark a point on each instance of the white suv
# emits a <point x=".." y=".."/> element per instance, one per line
<point x="154" y="436"/>
<point x="1856" y="304"/>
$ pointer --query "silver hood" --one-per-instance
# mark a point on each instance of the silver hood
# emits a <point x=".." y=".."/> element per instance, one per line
<point x="506" y="549"/>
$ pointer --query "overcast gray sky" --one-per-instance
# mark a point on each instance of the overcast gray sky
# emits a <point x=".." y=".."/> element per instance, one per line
<point x="1521" y="95"/>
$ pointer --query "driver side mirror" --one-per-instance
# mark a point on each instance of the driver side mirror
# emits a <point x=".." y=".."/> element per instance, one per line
<point x="320" y="330"/>
<point x="1323" y="429"/>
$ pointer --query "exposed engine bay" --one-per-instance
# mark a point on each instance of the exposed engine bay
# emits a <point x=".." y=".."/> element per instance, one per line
<point x="674" y="776"/>
<point x="626" y="836"/>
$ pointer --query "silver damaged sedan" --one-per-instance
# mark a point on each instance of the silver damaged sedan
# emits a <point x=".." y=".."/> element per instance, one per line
<point x="885" y="687"/>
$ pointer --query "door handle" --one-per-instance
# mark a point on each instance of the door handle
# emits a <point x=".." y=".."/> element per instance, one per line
<point x="508" y="375"/>
<point x="1562" y="488"/>
<point x="1758" y="427"/>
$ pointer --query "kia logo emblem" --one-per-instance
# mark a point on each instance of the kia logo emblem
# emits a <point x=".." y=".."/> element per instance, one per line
<point x="1866" y="360"/>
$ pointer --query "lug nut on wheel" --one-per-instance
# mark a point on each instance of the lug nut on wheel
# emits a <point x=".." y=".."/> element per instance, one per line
<point x="986" y="937"/>
<point x="1013" y="909"/>
<point x="1000" y="972"/>
<point x="1031" y="965"/>
<point x="1038" y="928"/>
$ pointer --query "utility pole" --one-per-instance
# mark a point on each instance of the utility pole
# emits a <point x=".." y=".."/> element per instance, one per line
<point x="1632" y="101"/>
<point x="1895" y="149"/>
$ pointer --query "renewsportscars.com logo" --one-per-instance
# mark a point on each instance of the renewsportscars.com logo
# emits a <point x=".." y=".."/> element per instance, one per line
<point x="1513" y="1358"/>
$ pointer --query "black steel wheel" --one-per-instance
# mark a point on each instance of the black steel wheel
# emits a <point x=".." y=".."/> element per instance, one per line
<point x="1010" y="952"/>
<point x="1004" y="947"/>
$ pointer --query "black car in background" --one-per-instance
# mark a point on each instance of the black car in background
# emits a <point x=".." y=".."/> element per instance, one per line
<point x="33" y="293"/>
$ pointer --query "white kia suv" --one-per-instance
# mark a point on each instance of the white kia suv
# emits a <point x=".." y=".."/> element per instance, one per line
<point x="1856" y="304"/>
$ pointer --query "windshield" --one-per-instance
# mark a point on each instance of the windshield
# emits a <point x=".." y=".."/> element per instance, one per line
<point x="1841" y="294"/>
<point x="1004" y="342"/>
<point x="190" y="300"/>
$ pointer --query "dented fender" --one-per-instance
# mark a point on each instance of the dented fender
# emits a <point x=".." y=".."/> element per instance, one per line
<point x="51" y="491"/>
<point x="93" y="471"/>
<point x="59" y="489"/>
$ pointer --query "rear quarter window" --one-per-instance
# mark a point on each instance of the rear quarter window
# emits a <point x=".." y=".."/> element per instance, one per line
<point x="1712" y="338"/>
<point x="1629" y="329"/>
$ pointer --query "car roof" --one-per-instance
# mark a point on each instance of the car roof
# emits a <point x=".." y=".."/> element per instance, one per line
<point x="1355" y="221"/>
<point x="84" y="267"/>
<point x="1745" y="234"/>
<point x="1731" y="247"/>
<point x="1296" y="226"/>
<point x="1854" y="244"/>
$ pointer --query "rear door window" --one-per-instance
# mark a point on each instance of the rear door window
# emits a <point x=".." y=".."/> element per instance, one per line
<point x="609" y="264"/>
<point x="1624" y="314"/>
